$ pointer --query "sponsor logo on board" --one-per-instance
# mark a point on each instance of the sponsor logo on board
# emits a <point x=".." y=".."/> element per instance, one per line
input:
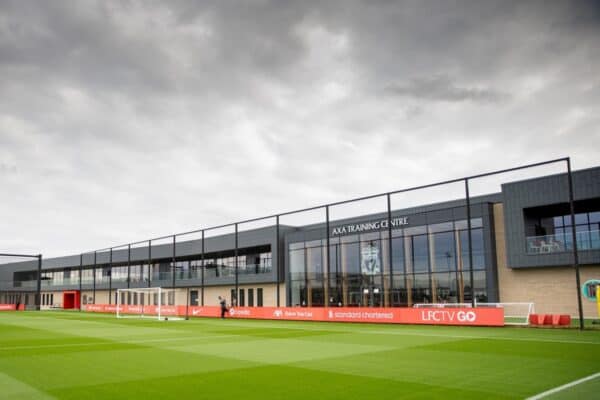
<point x="448" y="316"/>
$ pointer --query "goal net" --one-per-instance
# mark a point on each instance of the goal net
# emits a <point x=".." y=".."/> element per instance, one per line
<point x="151" y="302"/>
<point x="514" y="313"/>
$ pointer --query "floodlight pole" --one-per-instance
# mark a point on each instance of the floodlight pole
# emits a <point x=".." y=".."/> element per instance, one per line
<point x="574" y="236"/>
<point x="470" y="240"/>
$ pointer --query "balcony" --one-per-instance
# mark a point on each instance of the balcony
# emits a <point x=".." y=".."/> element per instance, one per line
<point x="561" y="242"/>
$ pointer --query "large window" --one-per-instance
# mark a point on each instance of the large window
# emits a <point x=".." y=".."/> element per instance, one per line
<point x="430" y="263"/>
<point x="587" y="231"/>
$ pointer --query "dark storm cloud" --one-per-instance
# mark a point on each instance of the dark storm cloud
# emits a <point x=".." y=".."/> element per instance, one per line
<point x="443" y="89"/>
<point x="138" y="118"/>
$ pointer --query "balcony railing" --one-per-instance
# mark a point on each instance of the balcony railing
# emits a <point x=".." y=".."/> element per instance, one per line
<point x="220" y="271"/>
<point x="561" y="242"/>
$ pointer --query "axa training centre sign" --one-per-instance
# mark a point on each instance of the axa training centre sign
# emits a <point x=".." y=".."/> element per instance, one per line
<point x="369" y="226"/>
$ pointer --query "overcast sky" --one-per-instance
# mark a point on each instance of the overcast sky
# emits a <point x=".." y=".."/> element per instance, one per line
<point x="121" y="121"/>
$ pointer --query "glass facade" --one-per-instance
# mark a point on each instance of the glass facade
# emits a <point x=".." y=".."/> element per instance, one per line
<point x="430" y="264"/>
<point x="587" y="231"/>
<point x="213" y="268"/>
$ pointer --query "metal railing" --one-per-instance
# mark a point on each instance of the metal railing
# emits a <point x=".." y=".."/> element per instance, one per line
<point x="562" y="242"/>
<point x="326" y="208"/>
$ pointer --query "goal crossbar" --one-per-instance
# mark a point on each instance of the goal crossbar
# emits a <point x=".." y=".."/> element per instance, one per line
<point x="147" y="304"/>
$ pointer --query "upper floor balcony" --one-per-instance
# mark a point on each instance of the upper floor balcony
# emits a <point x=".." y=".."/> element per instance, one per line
<point x="561" y="242"/>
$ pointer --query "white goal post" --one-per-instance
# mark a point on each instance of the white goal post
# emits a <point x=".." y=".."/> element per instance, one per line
<point x="148" y="302"/>
<point x="514" y="313"/>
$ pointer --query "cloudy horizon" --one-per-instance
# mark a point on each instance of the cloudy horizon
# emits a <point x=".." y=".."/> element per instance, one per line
<point x="122" y="121"/>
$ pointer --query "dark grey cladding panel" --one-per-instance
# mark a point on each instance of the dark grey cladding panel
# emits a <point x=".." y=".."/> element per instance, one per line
<point x="120" y="255"/>
<point x="88" y="258"/>
<point x="103" y="257"/>
<point x="458" y="211"/>
<point x="7" y="271"/>
<point x="60" y="262"/>
<point x="255" y="237"/>
<point x="139" y="254"/>
<point x="540" y="192"/>
<point x="250" y="238"/>
<point x="18" y="266"/>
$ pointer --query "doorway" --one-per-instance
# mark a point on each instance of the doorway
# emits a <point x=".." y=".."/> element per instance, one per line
<point x="71" y="300"/>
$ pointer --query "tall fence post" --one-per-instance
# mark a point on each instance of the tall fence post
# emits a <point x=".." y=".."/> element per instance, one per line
<point x="236" y="266"/>
<point x="202" y="271"/>
<point x="150" y="263"/>
<point x="94" y="278"/>
<point x="128" y="266"/>
<point x="390" y="252"/>
<point x="470" y="241"/>
<point x="574" y="238"/>
<point x="38" y="294"/>
<point x="80" y="273"/>
<point x="110" y="258"/>
<point x="174" y="257"/>
<point x="328" y="260"/>
<point x="279" y="260"/>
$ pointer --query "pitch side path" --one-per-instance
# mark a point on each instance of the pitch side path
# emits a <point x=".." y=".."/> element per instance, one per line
<point x="72" y="355"/>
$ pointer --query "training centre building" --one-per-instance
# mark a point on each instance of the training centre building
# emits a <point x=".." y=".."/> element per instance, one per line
<point x="522" y="251"/>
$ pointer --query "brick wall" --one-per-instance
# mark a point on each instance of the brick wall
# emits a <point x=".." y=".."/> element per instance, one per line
<point x="552" y="289"/>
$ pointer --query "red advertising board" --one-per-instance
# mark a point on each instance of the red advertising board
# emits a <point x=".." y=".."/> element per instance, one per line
<point x="8" y="307"/>
<point x="428" y="316"/>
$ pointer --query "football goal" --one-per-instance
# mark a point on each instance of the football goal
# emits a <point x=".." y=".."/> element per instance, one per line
<point x="152" y="302"/>
<point x="514" y="313"/>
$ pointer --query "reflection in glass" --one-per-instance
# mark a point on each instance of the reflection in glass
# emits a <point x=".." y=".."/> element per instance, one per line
<point x="445" y="258"/>
<point x="478" y="249"/>
<point x="420" y="253"/>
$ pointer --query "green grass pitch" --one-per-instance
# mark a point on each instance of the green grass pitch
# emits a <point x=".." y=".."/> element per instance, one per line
<point x="72" y="355"/>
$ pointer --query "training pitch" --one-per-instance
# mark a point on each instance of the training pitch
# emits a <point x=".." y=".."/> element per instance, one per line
<point x="72" y="355"/>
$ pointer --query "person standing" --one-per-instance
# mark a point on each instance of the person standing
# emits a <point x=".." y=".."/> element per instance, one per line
<point x="223" y="305"/>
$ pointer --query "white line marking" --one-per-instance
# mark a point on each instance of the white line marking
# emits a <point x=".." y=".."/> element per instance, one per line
<point x="485" y="337"/>
<point x="563" y="387"/>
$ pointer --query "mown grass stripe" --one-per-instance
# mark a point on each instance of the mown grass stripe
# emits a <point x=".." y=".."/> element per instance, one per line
<point x="563" y="387"/>
<point x="49" y="346"/>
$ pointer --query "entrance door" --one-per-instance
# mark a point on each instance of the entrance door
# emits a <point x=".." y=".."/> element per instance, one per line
<point x="68" y="301"/>
<point x="71" y="299"/>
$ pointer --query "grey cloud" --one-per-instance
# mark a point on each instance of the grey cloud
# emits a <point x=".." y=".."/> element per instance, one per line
<point x="440" y="88"/>
<point x="7" y="168"/>
<point x="138" y="118"/>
